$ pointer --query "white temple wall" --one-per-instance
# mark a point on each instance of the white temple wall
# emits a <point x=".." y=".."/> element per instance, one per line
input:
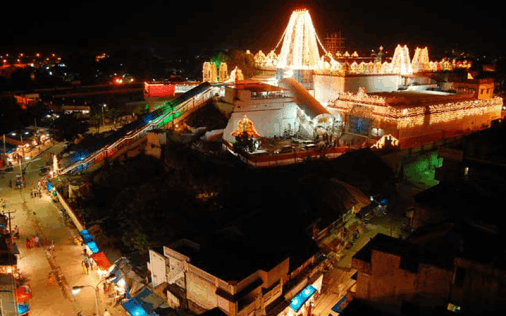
<point x="372" y="83"/>
<point x="269" y="122"/>
<point x="328" y="87"/>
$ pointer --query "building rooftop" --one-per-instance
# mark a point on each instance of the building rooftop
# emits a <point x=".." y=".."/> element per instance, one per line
<point x="256" y="242"/>
<point x="406" y="99"/>
<point x="254" y="86"/>
<point x="439" y="244"/>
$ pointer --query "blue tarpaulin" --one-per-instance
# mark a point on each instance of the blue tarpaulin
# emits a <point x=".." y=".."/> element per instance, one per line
<point x="149" y="300"/>
<point x="49" y="185"/>
<point x="134" y="308"/>
<point x="336" y="307"/>
<point x="88" y="240"/>
<point x="302" y="297"/>
<point x="23" y="308"/>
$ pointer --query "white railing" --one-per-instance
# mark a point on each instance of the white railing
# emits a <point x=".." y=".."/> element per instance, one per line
<point x="201" y="98"/>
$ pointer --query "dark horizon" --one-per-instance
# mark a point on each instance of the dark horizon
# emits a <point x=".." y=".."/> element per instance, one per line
<point x="252" y="25"/>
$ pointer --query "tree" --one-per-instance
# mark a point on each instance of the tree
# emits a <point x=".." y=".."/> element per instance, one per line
<point x="113" y="114"/>
<point x="136" y="240"/>
<point x="233" y="58"/>
<point x="96" y="120"/>
<point x="67" y="127"/>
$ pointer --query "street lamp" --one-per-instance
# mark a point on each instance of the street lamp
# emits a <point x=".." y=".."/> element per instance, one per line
<point x="103" y="117"/>
<point x="76" y="289"/>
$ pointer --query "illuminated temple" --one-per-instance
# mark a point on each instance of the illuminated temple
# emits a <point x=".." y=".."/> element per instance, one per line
<point x="312" y="93"/>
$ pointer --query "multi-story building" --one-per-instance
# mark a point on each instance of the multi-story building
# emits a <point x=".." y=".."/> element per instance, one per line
<point x="244" y="270"/>
<point x="450" y="265"/>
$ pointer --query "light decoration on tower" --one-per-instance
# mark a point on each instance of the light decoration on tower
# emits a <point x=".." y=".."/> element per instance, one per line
<point x="300" y="49"/>
<point x="420" y="60"/>
<point x="401" y="63"/>
<point x="223" y="71"/>
<point x="271" y="60"/>
<point x="214" y="72"/>
<point x="206" y="71"/>
<point x="260" y="59"/>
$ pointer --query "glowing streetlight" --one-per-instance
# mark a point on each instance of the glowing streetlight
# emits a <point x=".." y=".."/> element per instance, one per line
<point x="103" y="117"/>
<point x="77" y="289"/>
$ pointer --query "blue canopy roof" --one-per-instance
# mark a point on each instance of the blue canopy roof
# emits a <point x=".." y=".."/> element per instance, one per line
<point x="23" y="308"/>
<point x="302" y="297"/>
<point x="133" y="307"/>
<point x="88" y="240"/>
<point x="149" y="300"/>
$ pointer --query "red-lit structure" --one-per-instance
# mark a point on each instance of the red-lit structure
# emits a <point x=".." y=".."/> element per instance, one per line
<point x="159" y="89"/>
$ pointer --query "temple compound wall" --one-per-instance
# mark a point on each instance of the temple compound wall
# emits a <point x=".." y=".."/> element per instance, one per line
<point x="328" y="87"/>
<point x="415" y="123"/>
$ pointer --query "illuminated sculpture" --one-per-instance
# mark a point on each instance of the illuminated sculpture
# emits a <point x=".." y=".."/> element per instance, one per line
<point x="370" y="67"/>
<point x="362" y="67"/>
<point x="354" y="67"/>
<point x="206" y="70"/>
<point x="401" y="63"/>
<point x="299" y="50"/>
<point x="223" y="72"/>
<point x="386" y="68"/>
<point x="245" y="126"/>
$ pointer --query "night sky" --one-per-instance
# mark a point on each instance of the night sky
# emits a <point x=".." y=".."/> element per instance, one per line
<point x="190" y="26"/>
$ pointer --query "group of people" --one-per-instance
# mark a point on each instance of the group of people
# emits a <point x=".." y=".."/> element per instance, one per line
<point x="34" y="243"/>
<point x="36" y="193"/>
<point x="88" y="264"/>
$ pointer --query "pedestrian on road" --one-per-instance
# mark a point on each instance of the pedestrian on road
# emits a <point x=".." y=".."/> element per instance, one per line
<point x="87" y="264"/>
<point x="10" y="183"/>
<point x="106" y="313"/>
<point x="40" y="194"/>
<point x="83" y="265"/>
<point x="37" y="241"/>
<point x="31" y="194"/>
<point x="34" y="242"/>
<point x="27" y="243"/>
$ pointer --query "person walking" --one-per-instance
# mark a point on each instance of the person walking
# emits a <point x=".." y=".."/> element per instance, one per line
<point x="37" y="241"/>
<point x="83" y="265"/>
<point x="34" y="242"/>
<point x="27" y="243"/>
<point x="87" y="264"/>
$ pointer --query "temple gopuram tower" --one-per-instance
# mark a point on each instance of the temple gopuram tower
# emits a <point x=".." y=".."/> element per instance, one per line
<point x="299" y="54"/>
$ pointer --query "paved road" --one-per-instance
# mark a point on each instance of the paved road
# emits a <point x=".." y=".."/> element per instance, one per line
<point x="41" y="216"/>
